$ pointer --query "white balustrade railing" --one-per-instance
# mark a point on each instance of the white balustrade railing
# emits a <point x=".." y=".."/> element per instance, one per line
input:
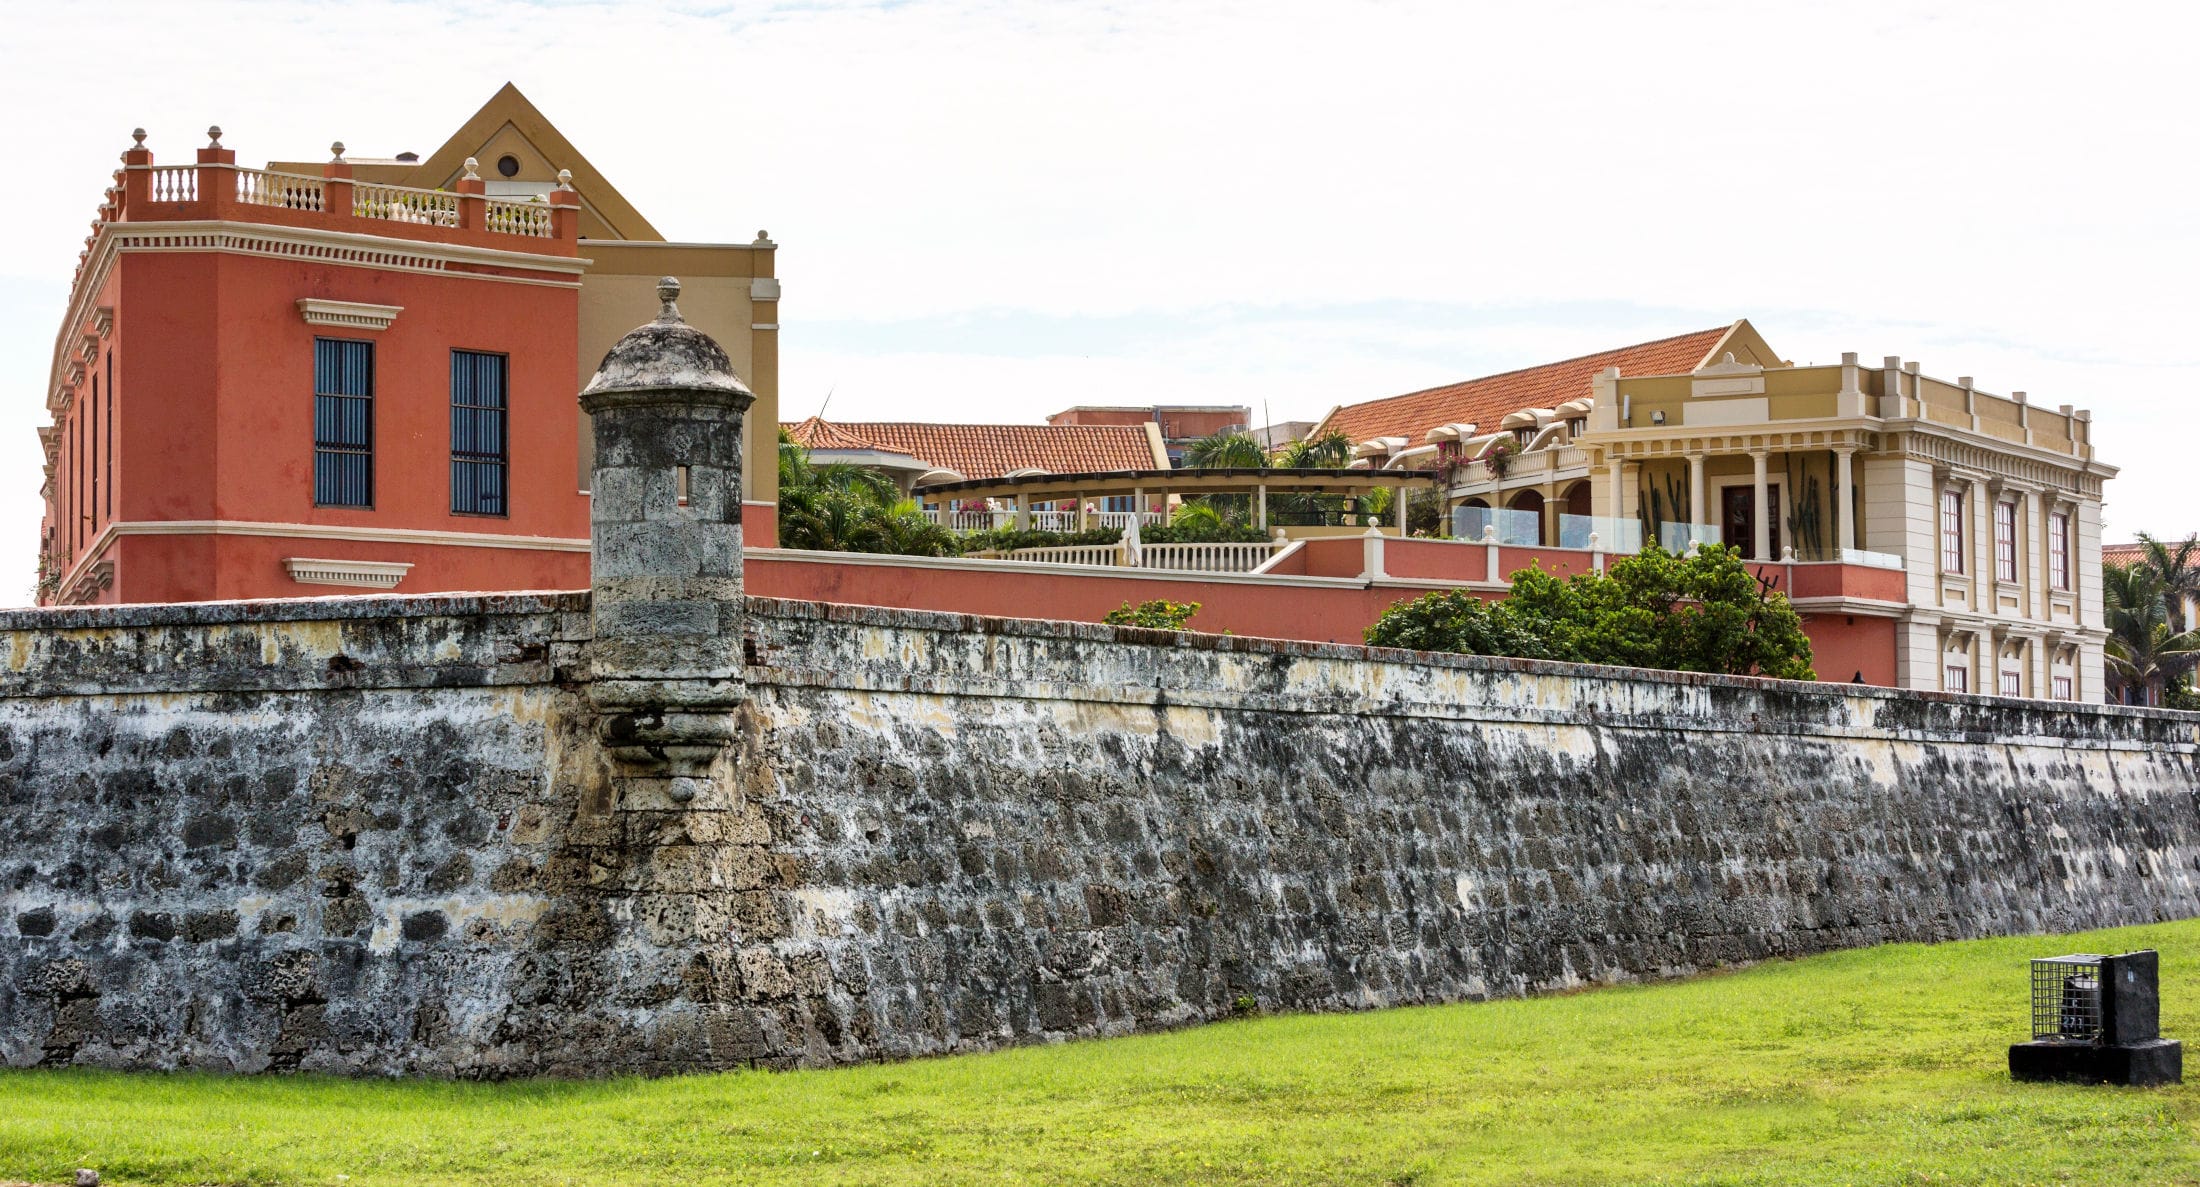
<point x="975" y="519"/>
<point x="1122" y="519"/>
<point x="1071" y="554"/>
<point x="1217" y="557"/>
<point x="403" y="204"/>
<point x="1231" y="557"/>
<point x="531" y="219"/>
<point x="173" y="183"/>
<point x="969" y="519"/>
<point x="290" y="191"/>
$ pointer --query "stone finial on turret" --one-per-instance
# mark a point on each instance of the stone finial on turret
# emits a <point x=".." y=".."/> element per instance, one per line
<point x="665" y="531"/>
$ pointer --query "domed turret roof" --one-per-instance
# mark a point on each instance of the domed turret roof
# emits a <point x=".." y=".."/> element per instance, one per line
<point x="666" y="355"/>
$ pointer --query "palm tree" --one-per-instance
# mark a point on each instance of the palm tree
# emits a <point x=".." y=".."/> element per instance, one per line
<point x="2178" y="565"/>
<point x="1330" y="451"/>
<point x="2144" y="650"/>
<point x="840" y="508"/>
<point x="1225" y="451"/>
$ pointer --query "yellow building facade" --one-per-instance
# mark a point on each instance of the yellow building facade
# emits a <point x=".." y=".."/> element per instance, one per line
<point x="1989" y="506"/>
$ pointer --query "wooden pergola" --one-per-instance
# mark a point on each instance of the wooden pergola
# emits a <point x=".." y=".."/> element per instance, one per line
<point x="1026" y="489"/>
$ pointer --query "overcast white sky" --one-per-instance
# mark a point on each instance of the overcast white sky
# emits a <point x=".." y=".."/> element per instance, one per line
<point x="989" y="211"/>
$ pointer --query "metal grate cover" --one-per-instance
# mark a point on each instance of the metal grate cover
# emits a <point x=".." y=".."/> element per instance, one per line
<point x="2066" y="998"/>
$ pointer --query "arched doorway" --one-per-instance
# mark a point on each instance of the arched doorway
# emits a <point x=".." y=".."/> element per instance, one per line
<point x="1530" y="501"/>
<point x="1579" y="500"/>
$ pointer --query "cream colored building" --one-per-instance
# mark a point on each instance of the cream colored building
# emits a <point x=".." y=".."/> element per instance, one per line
<point x="1989" y="506"/>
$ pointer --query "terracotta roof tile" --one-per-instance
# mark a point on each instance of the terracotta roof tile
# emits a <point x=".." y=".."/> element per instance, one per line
<point x="990" y="451"/>
<point x="819" y="433"/>
<point x="2123" y="554"/>
<point x="1485" y="401"/>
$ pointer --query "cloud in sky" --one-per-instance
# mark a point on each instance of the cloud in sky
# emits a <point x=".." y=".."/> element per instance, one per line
<point x="991" y="210"/>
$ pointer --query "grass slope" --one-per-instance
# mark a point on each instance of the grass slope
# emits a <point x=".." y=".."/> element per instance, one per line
<point x="1877" y="1066"/>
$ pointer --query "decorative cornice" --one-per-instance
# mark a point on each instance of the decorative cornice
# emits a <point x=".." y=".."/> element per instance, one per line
<point x="355" y="315"/>
<point x="1977" y="462"/>
<point x="372" y="574"/>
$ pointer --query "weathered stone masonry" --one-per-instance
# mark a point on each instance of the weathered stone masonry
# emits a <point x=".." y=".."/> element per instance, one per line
<point x="660" y="827"/>
<point x="382" y="835"/>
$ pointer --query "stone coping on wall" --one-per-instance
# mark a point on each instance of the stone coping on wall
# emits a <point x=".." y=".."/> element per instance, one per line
<point x="374" y="607"/>
<point x="313" y="609"/>
<point x="895" y="618"/>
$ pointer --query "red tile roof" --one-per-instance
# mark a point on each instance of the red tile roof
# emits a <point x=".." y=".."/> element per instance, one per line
<point x="2123" y="554"/>
<point x="990" y="451"/>
<point x="819" y="433"/>
<point x="1484" y="402"/>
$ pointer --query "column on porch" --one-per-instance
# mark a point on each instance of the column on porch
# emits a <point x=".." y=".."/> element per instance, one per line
<point x="1844" y="502"/>
<point x="1260" y="506"/>
<point x="1698" y="511"/>
<point x="1761" y="542"/>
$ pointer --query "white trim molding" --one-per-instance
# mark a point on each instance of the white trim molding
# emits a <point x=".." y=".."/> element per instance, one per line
<point x="324" y="531"/>
<point x="371" y="574"/>
<point x="352" y="315"/>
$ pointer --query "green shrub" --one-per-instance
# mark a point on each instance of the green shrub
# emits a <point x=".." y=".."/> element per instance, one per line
<point x="1701" y="613"/>
<point x="1200" y="531"/>
<point x="1453" y="620"/>
<point x="1158" y="614"/>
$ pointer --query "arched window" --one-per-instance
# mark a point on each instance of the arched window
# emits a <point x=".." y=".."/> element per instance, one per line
<point x="1529" y="502"/>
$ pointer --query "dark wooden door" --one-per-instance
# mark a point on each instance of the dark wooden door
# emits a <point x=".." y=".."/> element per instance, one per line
<point x="1738" y="518"/>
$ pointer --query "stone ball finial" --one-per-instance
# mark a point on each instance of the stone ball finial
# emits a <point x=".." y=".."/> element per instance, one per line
<point x="138" y="136"/>
<point x="666" y="356"/>
<point x="473" y="167"/>
<point x="763" y="236"/>
<point x="337" y="149"/>
<point x="565" y="179"/>
<point x="214" y="136"/>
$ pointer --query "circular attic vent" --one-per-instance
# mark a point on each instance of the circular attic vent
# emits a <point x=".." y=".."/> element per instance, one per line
<point x="508" y="165"/>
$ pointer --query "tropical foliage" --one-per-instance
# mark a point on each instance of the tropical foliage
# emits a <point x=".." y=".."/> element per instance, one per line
<point x="1699" y="613"/>
<point x="2151" y="652"/>
<point x="1330" y="451"/>
<point x="1159" y="614"/>
<point x="838" y="508"/>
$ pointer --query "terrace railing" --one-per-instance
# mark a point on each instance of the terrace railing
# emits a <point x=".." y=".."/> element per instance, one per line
<point x="402" y="204"/>
<point x="1218" y="557"/>
<point x="286" y="191"/>
<point x="216" y="188"/>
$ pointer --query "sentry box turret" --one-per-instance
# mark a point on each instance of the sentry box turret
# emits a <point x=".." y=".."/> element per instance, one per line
<point x="2097" y="1020"/>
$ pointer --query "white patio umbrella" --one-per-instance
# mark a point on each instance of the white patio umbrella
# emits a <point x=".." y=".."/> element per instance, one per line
<point x="1132" y="552"/>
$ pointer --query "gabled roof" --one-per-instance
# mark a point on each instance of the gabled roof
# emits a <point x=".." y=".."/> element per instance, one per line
<point x="1484" y="402"/>
<point x="990" y="451"/>
<point x="605" y="213"/>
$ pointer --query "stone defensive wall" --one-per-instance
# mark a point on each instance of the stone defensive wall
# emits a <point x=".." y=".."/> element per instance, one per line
<point x="386" y="835"/>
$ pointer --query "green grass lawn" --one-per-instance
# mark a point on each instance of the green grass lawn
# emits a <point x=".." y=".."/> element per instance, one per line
<point x="1879" y="1066"/>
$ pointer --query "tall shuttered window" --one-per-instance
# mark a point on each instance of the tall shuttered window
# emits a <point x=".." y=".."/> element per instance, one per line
<point x="343" y="423"/>
<point x="2005" y="541"/>
<point x="2058" y="551"/>
<point x="1951" y="531"/>
<point x="478" y="443"/>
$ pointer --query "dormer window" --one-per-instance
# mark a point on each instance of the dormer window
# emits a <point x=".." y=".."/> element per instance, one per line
<point x="1524" y="436"/>
<point x="1576" y="426"/>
